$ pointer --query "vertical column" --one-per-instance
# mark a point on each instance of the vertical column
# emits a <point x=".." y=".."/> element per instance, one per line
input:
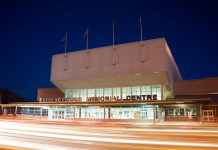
<point x="28" y="110"/>
<point x="2" y="110"/>
<point x="15" y="112"/>
<point x="41" y="112"/>
<point x="109" y="112"/>
<point x="104" y="112"/>
<point x="65" y="111"/>
<point x="74" y="109"/>
<point x="80" y="109"/>
<point x="200" y="113"/>
<point x="154" y="111"/>
<point x="161" y="88"/>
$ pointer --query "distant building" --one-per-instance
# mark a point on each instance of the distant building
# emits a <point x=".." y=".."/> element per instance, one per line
<point x="7" y="96"/>
<point x="137" y="81"/>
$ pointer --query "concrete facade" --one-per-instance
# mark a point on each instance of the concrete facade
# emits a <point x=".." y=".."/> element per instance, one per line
<point x="138" y="63"/>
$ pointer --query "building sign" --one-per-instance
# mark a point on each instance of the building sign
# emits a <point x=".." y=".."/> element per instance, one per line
<point x="101" y="98"/>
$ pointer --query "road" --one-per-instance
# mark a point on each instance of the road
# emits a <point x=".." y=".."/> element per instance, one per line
<point x="18" y="135"/>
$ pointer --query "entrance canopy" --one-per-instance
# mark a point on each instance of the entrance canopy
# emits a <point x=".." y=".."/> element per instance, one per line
<point x="111" y="103"/>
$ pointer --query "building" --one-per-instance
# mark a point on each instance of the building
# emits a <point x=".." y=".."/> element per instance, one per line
<point x="7" y="96"/>
<point x="137" y="81"/>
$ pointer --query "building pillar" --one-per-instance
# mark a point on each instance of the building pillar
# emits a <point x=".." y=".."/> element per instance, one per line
<point x="154" y="111"/>
<point x="109" y="112"/>
<point x="104" y="112"/>
<point x="201" y="113"/>
<point x="41" y="112"/>
<point x="65" y="111"/>
<point x="74" y="109"/>
<point x="162" y="92"/>
<point x="80" y="111"/>
<point x="15" y="112"/>
<point x="2" y="110"/>
<point x="28" y="110"/>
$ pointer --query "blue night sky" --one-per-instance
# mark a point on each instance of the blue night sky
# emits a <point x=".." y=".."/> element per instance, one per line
<point x="31" y="32"/>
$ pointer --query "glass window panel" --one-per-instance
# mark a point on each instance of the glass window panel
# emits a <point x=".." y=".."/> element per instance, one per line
<point x="83" y="94"/>
<point x="91" y="92"/>
<point x="92" y="112"/>
<point x="156" y="92"/>
<point x="107" y="94"/>
<point x="126" y="93"/>
<point x="146" y="92"/>
<point x="69" y="94"/>
<point x="100" y="94"/>
<point x="117" y="93"/>
<point x="136" y="93"/>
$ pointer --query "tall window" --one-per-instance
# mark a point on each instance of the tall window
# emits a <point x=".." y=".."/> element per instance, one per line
<point x="68" y="93"/>
<point x="83" y="94"/>
<point x="100" y="94"/>
<point x="107" y="94"/>
<point x="117" y="93"/>
<point x="136" y="93"/>
<point x="156" y="92"/>
<point x="91" y="92"/>
<point x="76" y="94"/>
<point x="126" y="93"/>
<point x="146" y="92"/>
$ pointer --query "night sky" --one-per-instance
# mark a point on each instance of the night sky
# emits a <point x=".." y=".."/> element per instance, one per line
<point x="31" y="32"/>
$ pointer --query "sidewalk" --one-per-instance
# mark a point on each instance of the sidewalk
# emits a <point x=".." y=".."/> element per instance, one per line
<point x="103" y="123"/>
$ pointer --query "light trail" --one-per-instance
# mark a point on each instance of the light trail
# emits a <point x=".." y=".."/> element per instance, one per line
<point x="38" y="146"/>
<point x="96" y="139"/>
<point x="60" y="129"/>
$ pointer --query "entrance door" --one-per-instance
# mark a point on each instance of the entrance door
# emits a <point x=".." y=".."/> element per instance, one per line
<point x="208" y="115"/>
<point x="147" y="113"/>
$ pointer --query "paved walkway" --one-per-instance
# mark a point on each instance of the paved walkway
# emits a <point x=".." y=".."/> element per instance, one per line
<point x="108" y="123"/>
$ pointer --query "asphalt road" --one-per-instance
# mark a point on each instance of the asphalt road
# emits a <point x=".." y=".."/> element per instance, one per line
<point x="17" y="135"/>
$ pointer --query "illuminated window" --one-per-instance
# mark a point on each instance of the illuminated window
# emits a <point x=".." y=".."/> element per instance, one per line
<point x="146" y="92"/>
<point x="107" y="94"/>
<point x="100" y="94"/>
<point x="91" y="92"/>
<point x="117" y="93"/>
<point x="75" y="93"/>
<point x="156" y="92"/>
<point x="68" y="94"/>
<point x="83" y="95"/>
<point x="126" y="93"/>
<point x="136" y="93"/>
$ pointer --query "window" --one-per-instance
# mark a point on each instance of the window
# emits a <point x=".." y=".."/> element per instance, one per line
<point x="136" y="93"/>
<point x="107" y="94"/>
<point x="156" y="92"/>
<point x="117" y="93"/>
<point x="91" y="92"/>
<point x="69" y="93"/>
<point x="146" y="92"/>
<point x="100" y="94"/>
<point x="126" y="93"/>
<point x="83" y="95"/>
